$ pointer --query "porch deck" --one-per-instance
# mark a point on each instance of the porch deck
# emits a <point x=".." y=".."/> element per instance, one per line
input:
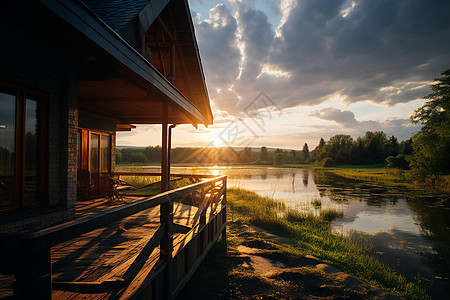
<point x="123" y="259"/>
<point x="94" y="265"/>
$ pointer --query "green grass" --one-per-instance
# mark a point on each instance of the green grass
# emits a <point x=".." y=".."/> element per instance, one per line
<point x="331" y="214"/>
<point x="311" y="234"/>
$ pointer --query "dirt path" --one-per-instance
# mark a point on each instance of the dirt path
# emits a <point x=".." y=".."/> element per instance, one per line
<point x="254" y="267"/>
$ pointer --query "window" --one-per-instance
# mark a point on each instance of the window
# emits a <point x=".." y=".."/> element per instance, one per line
<point x="21" y="149"/>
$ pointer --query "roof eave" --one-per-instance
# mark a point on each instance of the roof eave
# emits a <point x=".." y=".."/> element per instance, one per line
<point x="78" y="15"/>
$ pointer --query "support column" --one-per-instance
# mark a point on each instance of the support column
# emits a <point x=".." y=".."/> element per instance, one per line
<point x="166" y="209"/>
<point x="165" y="176"/>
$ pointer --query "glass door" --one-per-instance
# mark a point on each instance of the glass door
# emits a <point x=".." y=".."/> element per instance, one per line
<point x="94" y="163"/>
<point x="99" y="162"/>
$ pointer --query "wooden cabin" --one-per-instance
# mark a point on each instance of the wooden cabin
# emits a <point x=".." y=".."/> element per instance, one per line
<point x="72" y="74"/>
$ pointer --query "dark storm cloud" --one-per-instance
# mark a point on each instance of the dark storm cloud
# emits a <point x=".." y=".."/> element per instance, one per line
<point x="382" y="51"/>
<point x="377" y="45"/>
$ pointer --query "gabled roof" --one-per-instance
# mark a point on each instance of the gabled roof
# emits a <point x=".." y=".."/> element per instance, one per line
<point x="116" y="13"/>
<point x="115" y="79"/>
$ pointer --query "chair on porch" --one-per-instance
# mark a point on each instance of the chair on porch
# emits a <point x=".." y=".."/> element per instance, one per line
<point x="84" y="184"/>
<point x="118" y="189"/>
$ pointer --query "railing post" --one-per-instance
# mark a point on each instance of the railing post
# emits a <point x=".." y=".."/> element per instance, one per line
<point x="205" y="209"/>
<point x="33" y="273"/>
<point x="224" y="210"/>
<point x="166" y="246"/>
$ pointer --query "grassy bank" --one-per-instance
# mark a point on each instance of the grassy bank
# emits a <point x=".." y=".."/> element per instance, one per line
<point x="311" y="234"/>
<point x="378" y="173"/>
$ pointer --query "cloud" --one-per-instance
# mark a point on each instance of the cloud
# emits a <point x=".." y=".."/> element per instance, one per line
<point x="217" y="37"/>
<point x="380" y="51"/>
<point x="401" y="128"/>
<point x="346" y="118"/>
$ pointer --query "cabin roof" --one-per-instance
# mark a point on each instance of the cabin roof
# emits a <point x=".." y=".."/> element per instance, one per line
<point x="116" y="13"/>
<point x="115" y="79"/>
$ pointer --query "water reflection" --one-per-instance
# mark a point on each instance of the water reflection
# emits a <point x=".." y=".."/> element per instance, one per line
<point x="305" y="178"/>
<point x="408" y="231"/>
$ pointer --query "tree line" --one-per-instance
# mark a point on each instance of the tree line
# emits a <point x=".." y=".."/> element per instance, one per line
<point x="152" y="154"/>
<point x="373" y="148"/>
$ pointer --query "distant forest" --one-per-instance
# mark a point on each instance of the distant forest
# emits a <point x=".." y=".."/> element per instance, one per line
<point x="373" y="148"/>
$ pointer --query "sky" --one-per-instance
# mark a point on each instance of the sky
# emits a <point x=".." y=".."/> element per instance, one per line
<point x="281" y="73"/>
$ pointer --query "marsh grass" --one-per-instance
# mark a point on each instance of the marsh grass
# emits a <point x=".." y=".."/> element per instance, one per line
<point x="316" y="203"/>
<point x="331" y="214"/>
<point x="311" y="234"/>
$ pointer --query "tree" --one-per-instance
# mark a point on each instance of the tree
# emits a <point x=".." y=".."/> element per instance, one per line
<point x="431" y="145"/>
<point x="374" y="147"/>
<point x="305" y="151"/>
<point x="406" y="147"/>
<point x="358" y="156"/>
<point x="263" y="154"/>
<point x="392" y="147"/>
<point x="338" y="148"/>
<point x="118" y="156"/>
<point x="278" y="158"/>
<point x="321" y="143"/>
<point x="246" y="155"/>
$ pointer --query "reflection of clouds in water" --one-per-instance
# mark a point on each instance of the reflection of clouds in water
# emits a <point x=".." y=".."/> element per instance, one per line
<point x="403" y="251"/>
<point x="359" y="216"/>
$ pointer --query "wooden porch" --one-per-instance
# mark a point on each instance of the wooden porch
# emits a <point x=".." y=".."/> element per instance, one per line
<point x="147" y="247"/>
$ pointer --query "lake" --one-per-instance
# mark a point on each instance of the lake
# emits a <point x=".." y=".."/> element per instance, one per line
<point x="408" y="230"/>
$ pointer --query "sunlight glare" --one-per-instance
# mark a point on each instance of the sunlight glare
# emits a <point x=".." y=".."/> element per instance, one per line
<point x="215" y="139"/>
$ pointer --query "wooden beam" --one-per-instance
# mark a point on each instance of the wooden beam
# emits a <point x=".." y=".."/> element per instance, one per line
<point x="159" y="54"/>
<point x="163" y="25"/>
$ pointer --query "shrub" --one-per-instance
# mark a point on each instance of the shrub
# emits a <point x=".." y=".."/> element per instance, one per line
<point x="327" y="162"/>
<point x="397" y="162"/>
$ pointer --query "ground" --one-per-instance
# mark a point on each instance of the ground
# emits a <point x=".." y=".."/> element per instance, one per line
<point x="253" y="265"/>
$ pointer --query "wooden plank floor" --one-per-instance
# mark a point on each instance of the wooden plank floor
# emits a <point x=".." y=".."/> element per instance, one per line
<point x="93" y="265"/>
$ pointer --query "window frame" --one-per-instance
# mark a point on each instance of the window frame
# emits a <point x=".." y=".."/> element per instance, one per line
<point x="22" y="94"/>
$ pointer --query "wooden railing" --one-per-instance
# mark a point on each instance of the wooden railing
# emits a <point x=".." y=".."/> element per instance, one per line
<point x="32" y="265"/>
<point x="174" y="178"/>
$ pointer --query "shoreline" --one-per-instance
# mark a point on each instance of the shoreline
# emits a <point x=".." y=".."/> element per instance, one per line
<point x="306" y="235"/>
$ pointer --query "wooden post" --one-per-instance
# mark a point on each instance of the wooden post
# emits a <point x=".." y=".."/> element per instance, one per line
<point x="224" y="210"/>
<point x="166" y="212"/>
<point x="33" y="273"/>
<point x="165" y="176"/>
